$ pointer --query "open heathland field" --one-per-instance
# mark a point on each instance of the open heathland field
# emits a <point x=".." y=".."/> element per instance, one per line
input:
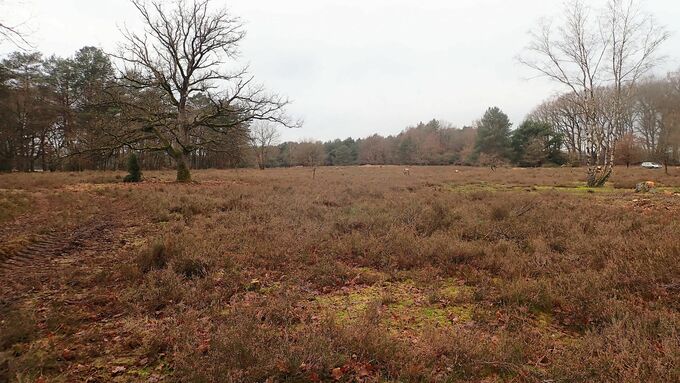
<point x="360" y="274"/>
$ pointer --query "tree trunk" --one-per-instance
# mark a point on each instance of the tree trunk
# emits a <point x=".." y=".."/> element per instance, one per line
<point x="599" y="175"/>
<point x="43" y="155"/>
<point x="183" y="173"/>
<point x="260" y="161"/>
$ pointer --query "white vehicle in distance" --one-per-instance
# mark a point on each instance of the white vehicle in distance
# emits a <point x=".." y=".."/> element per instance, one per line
<point x="651" y="165"/>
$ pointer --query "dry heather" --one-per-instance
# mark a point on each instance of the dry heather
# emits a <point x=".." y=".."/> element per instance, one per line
<point x="361" y="274"/>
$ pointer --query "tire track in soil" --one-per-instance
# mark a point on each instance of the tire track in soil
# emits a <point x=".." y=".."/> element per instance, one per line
<point x="41" y="251"/>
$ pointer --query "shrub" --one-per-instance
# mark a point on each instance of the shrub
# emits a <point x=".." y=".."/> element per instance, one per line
<point x="134" y="171"/>
<point x="500" y="213"/>
<point x="327" y="273"/>
<point x="535" y="294"/>
<point x="190" y="267"/>
<point x="16" y="327"/>
<point x="161" y="288"/>
<point x="625" y="184"/>
<point x="156" y="258"/>
<point x="433" y="217"/>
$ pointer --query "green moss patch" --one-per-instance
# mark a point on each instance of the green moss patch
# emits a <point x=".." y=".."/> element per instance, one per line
<point x="401" y="308"/>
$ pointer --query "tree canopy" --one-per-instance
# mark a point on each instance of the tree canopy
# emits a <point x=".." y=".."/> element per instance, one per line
<point x="493" y="134"/>
<point x="176" y="94"/>
<point x="535" y="143"/>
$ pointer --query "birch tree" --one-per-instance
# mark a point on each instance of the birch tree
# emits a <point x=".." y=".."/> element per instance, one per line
<point x="588" y="51"/>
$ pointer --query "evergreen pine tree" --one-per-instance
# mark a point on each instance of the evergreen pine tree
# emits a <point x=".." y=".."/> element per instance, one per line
<point x="493" y="134"/>
<point x="135" y="173"/>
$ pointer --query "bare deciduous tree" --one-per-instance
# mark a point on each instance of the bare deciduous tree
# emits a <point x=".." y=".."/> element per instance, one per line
<point x="648" y="99"/>
<point x="587" y="54"/>
<point x="263" y="135"/>
<point x="183" y="98"/>
<point x="11" y="33"/>
<point x="668" y="146"/>
<point x="565" y="117"/>
<point x="308" y="153"/>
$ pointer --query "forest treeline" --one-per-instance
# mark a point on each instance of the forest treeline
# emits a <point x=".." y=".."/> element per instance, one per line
<point x="553" y="134"/>
<point x="432" y="143"/>
<point x="52" y="118"/>
<point x="56" y="114"/>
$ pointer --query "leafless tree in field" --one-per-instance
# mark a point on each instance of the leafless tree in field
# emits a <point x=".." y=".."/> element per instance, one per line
<point x="658" y="118"/>
<point x="183" y="98"/>
<point x="565" y="117"/>
<point x="587" y="52"/>
<point x="263" y="135"/>
<point x="308" y="153"/>
<point x="648" y="100"/>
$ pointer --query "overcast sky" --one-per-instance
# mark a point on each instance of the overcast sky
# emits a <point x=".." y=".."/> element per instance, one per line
<point x="358" y="67"/>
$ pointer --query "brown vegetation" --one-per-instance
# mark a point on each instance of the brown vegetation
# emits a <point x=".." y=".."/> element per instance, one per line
<point x="358" y="274"/>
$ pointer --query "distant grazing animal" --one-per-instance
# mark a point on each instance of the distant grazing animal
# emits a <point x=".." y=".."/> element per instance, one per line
<point x="407" y="171"/>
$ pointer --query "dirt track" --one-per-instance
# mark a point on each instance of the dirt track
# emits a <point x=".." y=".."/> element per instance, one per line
<point x="42" y="251"/>
<point x="36" y="252"/>
<point x="59" y="261"/>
